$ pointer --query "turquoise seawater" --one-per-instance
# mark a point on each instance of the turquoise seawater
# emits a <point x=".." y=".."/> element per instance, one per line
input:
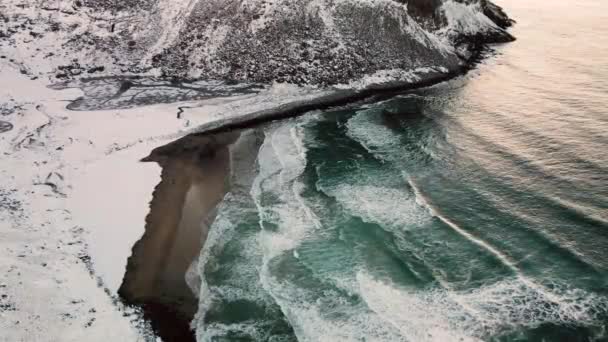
<point x="475" y="210"/>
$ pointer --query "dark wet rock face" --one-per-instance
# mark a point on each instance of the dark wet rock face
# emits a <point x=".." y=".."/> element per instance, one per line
<point x="497" y="15"/>
<point x="5" y="126"/>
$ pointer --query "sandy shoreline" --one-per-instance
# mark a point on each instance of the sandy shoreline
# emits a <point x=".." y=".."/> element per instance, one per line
<point x="194" y="179"/>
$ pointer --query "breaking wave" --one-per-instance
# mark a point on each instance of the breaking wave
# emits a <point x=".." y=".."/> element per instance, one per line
<point x="493" y="310"/>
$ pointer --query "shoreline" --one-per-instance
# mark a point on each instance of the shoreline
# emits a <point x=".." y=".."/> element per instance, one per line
<point x="195" y="176"/>
<point x="194" y="179"/>
<point x="374" y="92"/>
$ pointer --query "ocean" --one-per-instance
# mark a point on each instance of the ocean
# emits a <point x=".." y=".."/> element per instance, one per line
<point x="474" y="210"/>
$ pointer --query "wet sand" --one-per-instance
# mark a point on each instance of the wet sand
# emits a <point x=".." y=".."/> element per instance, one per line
<point x="194" y="179"/>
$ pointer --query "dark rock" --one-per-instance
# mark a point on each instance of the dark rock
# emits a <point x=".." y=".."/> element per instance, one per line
<point x="497" y="14"/>
<point x="96" y="69"/>
<point x="54" y="27"/>
<point x="5" y="126"/>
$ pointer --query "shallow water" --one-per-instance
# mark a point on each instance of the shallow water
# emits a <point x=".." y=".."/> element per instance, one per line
<point x="473" y="210"/>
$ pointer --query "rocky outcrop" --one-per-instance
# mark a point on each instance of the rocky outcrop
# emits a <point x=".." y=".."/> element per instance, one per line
<point x="326" y="42"/>
<point x="496" y="14"/>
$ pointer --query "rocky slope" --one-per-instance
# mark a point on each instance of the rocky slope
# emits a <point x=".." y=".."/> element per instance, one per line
<point x="305" y="42"/>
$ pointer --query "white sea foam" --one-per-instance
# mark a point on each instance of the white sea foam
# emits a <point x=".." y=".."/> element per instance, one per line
<point x="328" y="316"/>
<point x="276" y="189"/>
<point x="241" y="277"/>
<point x="282" y="160"/>
<point x="389" y="207"/>
<point x="494" y="309"/>
<point x="366" y="128"/>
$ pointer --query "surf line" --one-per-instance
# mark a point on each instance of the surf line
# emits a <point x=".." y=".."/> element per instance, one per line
<point x="506" y="260"/>
<point x="423" y="201"/>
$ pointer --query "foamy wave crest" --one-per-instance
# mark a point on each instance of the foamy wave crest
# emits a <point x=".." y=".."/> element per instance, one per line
<point x="276" y="189"/>
<point x="381" y="131"/>
<point x="230" y="236"/>
<point x="388" y="207"/>
<point x="481" y="313"/>
<point x="332" y="318"/>
<point x="366" y="128"/>
<point x="317" y="313"/>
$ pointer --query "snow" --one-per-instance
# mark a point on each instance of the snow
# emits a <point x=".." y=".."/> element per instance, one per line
<point x="173" y="14"/>
<point x="53" y="296"/>
<point x="37" y="50"/>
<point x="465" y="19"/>
<point x="386" y="76"/>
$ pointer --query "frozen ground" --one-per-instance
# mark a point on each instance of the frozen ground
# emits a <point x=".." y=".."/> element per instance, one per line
<point x="49" y="290"/>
